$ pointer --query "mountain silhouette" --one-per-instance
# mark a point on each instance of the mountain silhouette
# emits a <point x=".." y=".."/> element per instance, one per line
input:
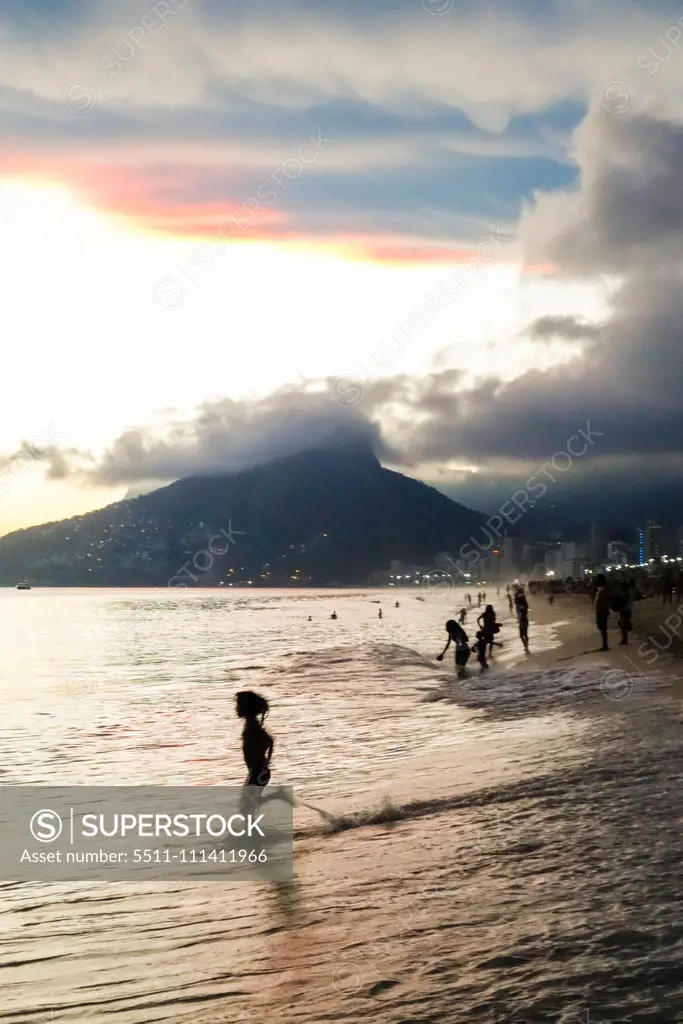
<point x="319" y="516"/>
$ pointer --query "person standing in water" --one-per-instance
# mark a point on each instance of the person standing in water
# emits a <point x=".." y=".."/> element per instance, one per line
<point x="488" y="624"/>
<point x="480" y="650"/>
<point x="257" y="744"/>
<point x="522" y="609"/>
<point x="462" y="646"/>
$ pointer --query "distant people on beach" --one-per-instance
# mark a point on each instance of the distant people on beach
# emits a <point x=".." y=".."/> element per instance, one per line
<point x="379" y="615"/>
<point x="489" y="626"/>
<point x="310" y="618"/>
<point x="459" y="637"/>
<point x="257" y="744"/>
<point x="551" y="597"/>
<point x="333" y="615"/>
<point x="462" y="618"/>
<point x="667" y="585"/>
<point x="602" y="608"/>
<point x="396" y="605"/>
<point x="468" y="598"/>
<point x="510" y="602"/>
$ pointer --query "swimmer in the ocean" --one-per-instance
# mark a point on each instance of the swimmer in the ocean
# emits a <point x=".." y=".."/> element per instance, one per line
<point x="333" y="615"/>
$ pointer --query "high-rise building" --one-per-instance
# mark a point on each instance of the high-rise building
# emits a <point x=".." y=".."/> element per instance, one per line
<point x="596" y="545"/>
<point x="617" y="553"/>
<point x="508" y="567"/>
<point x="652" y="541"/>
<point x="640" y="546"/>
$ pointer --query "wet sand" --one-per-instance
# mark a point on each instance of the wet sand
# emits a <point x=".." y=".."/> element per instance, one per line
<point x="572" y="620"/>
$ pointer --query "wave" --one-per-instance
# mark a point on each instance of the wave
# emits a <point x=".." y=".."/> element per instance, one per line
<point x="520" y="691"/>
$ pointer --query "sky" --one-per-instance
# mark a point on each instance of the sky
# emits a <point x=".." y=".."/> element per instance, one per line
<point x="230" y="229"/>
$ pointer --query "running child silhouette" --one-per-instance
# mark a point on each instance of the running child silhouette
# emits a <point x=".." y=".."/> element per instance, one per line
<point x="257" y="744"/>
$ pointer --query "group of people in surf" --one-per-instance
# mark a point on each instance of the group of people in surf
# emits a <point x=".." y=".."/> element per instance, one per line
<point x="488" y="628"/>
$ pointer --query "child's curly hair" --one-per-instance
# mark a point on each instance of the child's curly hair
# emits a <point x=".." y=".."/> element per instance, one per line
<point x="250" y="705"/>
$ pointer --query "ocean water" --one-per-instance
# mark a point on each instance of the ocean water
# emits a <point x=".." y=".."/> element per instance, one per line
<point x="502" y="848"/>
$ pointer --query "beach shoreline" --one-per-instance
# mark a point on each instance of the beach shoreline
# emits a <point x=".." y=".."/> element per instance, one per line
<point x="571" y="618"/>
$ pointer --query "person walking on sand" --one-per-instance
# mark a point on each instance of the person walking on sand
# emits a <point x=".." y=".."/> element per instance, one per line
<point x="625" y="620"/>
<point x="257" y="744"/>
<point x="462" y="646"/>
<point x="380" y="614"/>
<point x="462" y="618"/>
<point x="602" y="608"/>
<point x="510" y="602"/>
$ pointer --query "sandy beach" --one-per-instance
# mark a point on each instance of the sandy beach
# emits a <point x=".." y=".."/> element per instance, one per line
<point x="578" y="642"/>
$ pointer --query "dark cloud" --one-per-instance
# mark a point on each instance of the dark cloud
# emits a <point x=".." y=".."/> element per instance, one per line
<point x="627" y="213"/>
<point x="227" y="436"/>
<point x="568" y="327"/>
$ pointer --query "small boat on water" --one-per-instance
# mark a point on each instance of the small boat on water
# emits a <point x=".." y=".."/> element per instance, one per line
<point x="23" y="586"/>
